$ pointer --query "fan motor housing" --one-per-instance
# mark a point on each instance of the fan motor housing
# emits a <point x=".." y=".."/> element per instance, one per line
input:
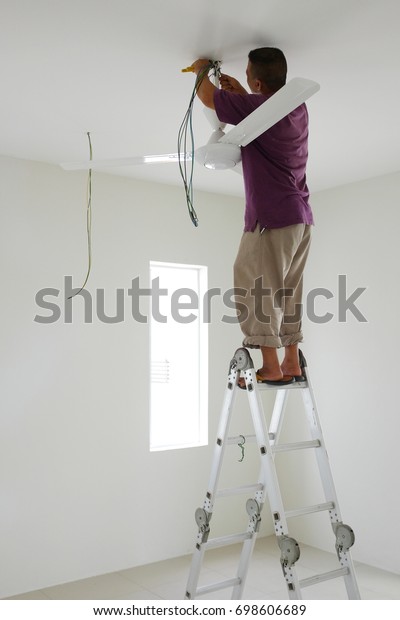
<point x="218" y="156"/>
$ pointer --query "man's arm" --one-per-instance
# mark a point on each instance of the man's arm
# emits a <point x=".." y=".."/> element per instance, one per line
<point x="206" y="88"/>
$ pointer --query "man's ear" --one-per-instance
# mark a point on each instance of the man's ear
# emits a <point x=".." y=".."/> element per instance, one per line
<point x="258" y="85"/>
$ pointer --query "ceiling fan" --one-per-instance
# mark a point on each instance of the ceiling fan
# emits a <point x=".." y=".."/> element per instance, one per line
<point x="223" y="149"/>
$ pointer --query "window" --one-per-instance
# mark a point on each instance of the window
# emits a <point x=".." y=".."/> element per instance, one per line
<point x="178" y="357"/>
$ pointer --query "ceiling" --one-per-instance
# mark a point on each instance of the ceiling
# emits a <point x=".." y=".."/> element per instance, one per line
<point x="113" y="68"/>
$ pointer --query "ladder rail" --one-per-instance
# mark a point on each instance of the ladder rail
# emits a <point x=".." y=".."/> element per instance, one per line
<point x="222" y="436"/>
<point x="268" y="475"/>
<point x="208" y="504"/>
<point x="322" y="454"/>
<point x="328" y="484"/>
<point x="267" y="459"/>
<point x="276" y="422"/>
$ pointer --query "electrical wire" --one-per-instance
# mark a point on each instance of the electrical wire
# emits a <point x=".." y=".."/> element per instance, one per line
<point x="186" y="134"/>
<point x="88" y="220"/>
<point x="241" y="446"/>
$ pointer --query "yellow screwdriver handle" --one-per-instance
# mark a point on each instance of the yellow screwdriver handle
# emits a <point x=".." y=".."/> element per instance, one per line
<point x="187" y="69"/>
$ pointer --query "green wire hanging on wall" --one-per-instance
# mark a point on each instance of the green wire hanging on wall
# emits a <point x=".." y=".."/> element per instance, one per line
<point x="88" y="220"/>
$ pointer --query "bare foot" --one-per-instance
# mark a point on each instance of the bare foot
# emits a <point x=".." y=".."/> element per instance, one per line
<point x="291" y="369"/>
<point x="271" y="375"/>
<point x="263" y="375"/>
<point x="242" y="383"/>
<point x="291" y="364"/>
<point x="270" y="370"/>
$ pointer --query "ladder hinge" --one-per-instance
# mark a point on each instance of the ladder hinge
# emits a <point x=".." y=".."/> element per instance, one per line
<point x="253" y="509"/>
<point x="242" y="360"/>
<point x="344" y="538"/>
<point x="290" y="551"/>
<point x="203" y="521"/>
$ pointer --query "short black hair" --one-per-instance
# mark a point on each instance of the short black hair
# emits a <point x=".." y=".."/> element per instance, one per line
<point x="269" y="66"/>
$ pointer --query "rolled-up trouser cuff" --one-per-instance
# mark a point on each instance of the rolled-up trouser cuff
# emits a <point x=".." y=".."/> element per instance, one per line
<point x="292" y="339"/>
<point x="255" y="342"/>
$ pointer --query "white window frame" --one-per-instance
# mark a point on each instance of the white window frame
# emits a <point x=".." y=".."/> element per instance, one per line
<point x="193" y="392"/>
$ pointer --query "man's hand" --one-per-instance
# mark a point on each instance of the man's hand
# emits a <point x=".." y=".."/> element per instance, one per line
<point x="199" y="64"/>
<point x="231" y="85"/>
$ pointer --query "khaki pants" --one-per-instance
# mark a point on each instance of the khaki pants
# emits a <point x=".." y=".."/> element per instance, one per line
<point x="268" y="280"/>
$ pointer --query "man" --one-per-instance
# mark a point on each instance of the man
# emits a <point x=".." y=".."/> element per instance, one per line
<point x="273" y="251"/>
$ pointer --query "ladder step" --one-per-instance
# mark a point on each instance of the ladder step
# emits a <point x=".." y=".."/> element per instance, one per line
<point x="248" y="488"/>
<point x="284" y="447"/>
<point x="238" y="439"/>
<point x="297" y="385"/>
<point x="309" y="509"/>
<point x="299" y="445"/>
<point x="334" y="574"/>
<point x="220" y="585"/>
<point x="223" y="541"/>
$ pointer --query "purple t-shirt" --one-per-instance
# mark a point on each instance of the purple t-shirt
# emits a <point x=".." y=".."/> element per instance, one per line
<point x="274" y="165"/>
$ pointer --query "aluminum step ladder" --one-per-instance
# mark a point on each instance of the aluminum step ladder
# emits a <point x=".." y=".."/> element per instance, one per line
<point x="267" y="487"/>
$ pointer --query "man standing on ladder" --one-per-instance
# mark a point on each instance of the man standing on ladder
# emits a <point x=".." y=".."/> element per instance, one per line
<point x="268" y="271"/>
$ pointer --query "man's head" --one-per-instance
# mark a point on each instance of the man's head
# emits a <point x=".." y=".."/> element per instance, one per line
<point x="266" y="70"/>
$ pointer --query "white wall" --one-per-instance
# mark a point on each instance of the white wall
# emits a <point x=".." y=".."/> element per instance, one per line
<point x="81" y="493"/>
<point x="355" y="366"/>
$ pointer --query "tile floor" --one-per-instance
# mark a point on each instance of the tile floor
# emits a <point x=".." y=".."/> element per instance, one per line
<point x="167" y="580"/>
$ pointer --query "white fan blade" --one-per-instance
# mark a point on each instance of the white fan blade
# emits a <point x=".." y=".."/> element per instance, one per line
<point x="213" y="119"/>
<point x="284" y="101"/>
<point x="94" y="164"/>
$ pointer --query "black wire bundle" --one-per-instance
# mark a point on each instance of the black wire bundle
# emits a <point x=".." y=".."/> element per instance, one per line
<point x="186" y="154"/>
